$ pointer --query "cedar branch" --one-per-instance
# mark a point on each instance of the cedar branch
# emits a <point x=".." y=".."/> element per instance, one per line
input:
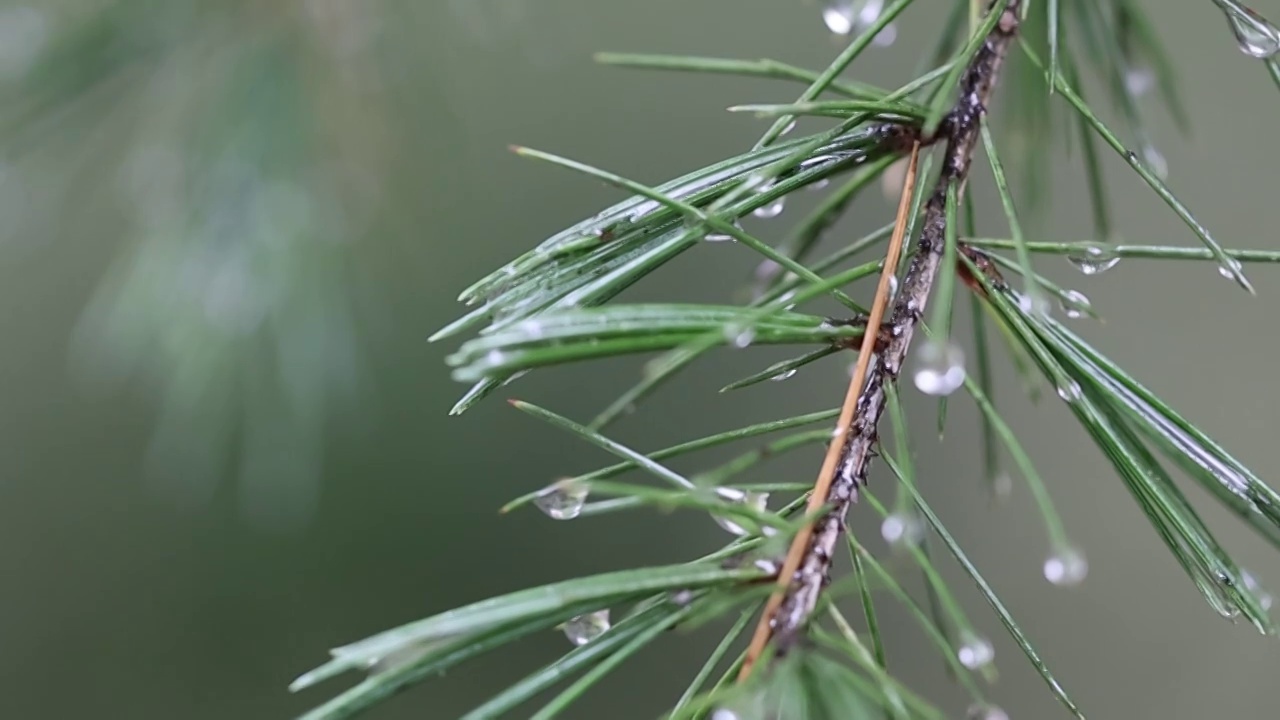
<point x="785" y="616"/>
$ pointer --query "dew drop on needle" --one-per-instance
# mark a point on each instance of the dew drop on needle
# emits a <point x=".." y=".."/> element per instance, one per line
<point x="985" y="711"/>
<point x="1069" y="391"/>
<point x="975" y="652"/>
<point x="839" y="16"/>
<point x="1066" y="566"/>
<point x="772" y="210"/>
<point x="584" y="628"/>
<point x="1138" y="80"/>
<point x="1155" y="161"/>
<point x="1250" y="583"/>
<point x="902" y="529"/>
<point x="1075" y="304"/>
<point x="756" y="501"/>
<point x="1255" y="36"/>
<point x="939" y="367"/>
<point x="1093" y="258"/>
<point x="562" y="500"/>
<point x="1230" y="268"/>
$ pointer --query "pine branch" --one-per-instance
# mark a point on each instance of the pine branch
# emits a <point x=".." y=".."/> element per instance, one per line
<point x="962" y="130"/>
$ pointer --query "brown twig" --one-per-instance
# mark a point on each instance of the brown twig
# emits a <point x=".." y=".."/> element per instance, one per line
<point x="806" y="567"/>
<point x="834" y="449"/>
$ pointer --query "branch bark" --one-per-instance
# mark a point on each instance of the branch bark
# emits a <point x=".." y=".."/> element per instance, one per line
<point x="961" y="130"/>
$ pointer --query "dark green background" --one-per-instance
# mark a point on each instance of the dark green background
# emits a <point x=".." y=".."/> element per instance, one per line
<point x="118" y="603"/>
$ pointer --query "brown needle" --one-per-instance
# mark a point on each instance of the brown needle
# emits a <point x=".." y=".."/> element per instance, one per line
<point x="822" y="487"/>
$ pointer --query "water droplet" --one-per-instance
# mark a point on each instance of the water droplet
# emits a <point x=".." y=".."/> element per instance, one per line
<point x="985" y="711"/>
<point x="1034" y="303"/>
<point x="1093" y="258"/>
<point x="1002" y="485"/>
<point x="584" y="628"/>
<point x="784" y="375"/>
<point x="562" y="500"/>
<point x="1230" y="268"/>
<point x="772" y="210"/>
<point x="398" y="658"/>
<point x="975" y="651"/>
<point x="532" y="328"/>
<point x="892" y="179"/>
<point x="740" y="336"/>
<point x="819" y="184"/>
<point x="1155" y="161"/>
<point x="681" y="598"/>
<point x="902" y="529"/>
<point x="1254" y="35"/>
<point x="869" y="12"/>
<point x="722" y="237"/>
<point x="1251" y="584"/>
<point x="1075" y="304"/>
<point x="939" y="367"/>
<point x="1139" y="80"/>
<point x="839" y="16"/>
<point x="1066" y="566"/>
<point x="725" y="714"/>
<point x="790" y="126"/>
<point x="1070" y="391"/>
<point x="887" y="36"/>
<point x="757" y="501"/>
<point x="766" y="566"/>
<point x="893" y="286"/>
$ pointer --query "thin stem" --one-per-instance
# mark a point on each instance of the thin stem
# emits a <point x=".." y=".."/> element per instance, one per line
<point x="1158" y="252"/>
<point x="822" y="487"/>
<point x="846" y="469"/>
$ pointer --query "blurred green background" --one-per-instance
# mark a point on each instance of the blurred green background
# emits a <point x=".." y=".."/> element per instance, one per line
<point x="228" y="229"/>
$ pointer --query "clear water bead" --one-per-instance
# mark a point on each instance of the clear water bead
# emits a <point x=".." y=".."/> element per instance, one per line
<point x="886" y="37"/>
<point x="819" y="184"/>
<point x="584" y="628"/>
<point x="1066" y="566"/>
<point x="902" y="529"/>
<point x="1139" y="80"/>
<point x="784" y="375"/>
<point x="838" y="15"/>
<point x="1093" y="258"/>
<point x="1251" y="584"/>
<point x="398" y="658"/>
<point x="1255" y="36"/>
<point x="562" y="500"/>
<point x="1230" y="268"/>
<point x="892" y="180"/>
<point x="1069" y="391"/>
<point x="1075" y="304"/>
<point x="1002" y="485"/>
<point x="740" y="336"/>
<point x="1155" y="161"/>
<point x="725" y="714"/>
<point x="985" y="711"/>
<point x="772" y="210"/>
<point x="721" y="237"/>
<point x="756" y="501"/>
<point x="939" y="367"/>
<point x="1034" y="303"/>
<point x="975" y="651"/>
